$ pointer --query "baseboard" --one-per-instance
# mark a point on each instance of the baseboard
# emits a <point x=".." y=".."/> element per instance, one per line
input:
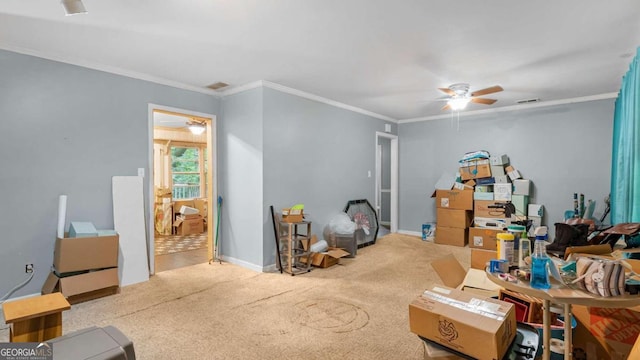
<point x="412" y="233"/>
<point x="242" y="263"/>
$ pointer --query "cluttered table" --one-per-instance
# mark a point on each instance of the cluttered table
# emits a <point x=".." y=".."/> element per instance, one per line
<point x="566" y="296"/>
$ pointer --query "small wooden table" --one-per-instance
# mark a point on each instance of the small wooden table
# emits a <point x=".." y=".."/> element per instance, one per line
<point x="35" y="319"/>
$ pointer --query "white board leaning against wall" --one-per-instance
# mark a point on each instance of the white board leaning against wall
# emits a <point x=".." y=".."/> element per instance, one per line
<point x="128" y="220"/>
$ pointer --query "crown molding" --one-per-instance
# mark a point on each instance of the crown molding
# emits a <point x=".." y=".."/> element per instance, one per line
<point x="109" y="69"/>
<point x="515" y="107"/>
<point x="306" y="95"/>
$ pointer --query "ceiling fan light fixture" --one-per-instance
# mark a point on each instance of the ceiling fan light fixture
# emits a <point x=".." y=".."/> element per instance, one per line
<point x="458" y="103"/>
<point x="73" y="7"/>
<point x="196" y="128"/>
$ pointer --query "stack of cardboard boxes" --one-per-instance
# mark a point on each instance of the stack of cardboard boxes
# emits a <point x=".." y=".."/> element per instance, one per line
<point x="85" y="264"/>
<point x="454" y="216"/>
<point x="499" y="196"/>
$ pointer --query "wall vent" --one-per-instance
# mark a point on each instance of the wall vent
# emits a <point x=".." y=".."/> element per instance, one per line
<point x="527" y="101"/>
<point x="217" y="86"/>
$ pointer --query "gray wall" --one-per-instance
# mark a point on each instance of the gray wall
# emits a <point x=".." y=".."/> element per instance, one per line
<point x="240" y="155"/>
<point x="314" y="154"/>
<point x="561" y="149"/>
<point x="65" y="129"/>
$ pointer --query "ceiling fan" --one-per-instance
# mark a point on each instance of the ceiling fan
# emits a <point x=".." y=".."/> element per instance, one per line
<point x="459" y="96"/>
<point x="196" y="127"/>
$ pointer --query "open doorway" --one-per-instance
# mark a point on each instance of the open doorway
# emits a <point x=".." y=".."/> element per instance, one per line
<point x="386" y="182"/>
<point x="182" y="185"/>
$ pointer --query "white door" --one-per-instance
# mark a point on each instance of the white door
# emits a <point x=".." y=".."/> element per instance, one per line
<point x="386" y="182"/>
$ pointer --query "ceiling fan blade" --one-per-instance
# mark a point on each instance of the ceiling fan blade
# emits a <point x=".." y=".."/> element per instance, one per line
<point x="446" y="107"/>
<point x="489" y="90"/>
<point x="483" y="101"/>
<point x="447" y="91"/>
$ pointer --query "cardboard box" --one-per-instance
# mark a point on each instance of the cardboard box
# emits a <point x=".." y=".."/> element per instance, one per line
<point x="499" y="160"/>
<point x="451" y="236"/>
<point x="292" y="215"/>
<point x="82" y="229"/>
<point x="326" y="259"/>
<point x="83" y="287"/>
<point x="475" y="170"/>
<point x="484" y="188"/>
<point x="501" y="179"/>
<point x="502" y="192"/>
<point x="483" y="209"/>
<point x="454" y="218"/>
<point x="189" y="226"/>
<point x="487" y="196"/>
<point x="535" y="210"/>
<point x="497" y="170"/>
<point x="521" y="202"/>
<point x="482" y="238"/>
<point x="521" y="187"/>
<point x="513" y="173"/>
<point x="479" y="327"/>
<point x="491" y="223"/>
<point x="462" y="186"/>
<point x="454" y="276"/>
<point x="454" y="199"/>
<point x="486" y="181"/>
<point x="480" y="258"/>
<point x="613" y="331"/>
<point x="86" y="253"/>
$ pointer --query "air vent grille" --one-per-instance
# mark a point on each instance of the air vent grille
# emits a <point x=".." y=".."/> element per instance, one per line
<point x="217" y="86"/>
<point x="527" y="101"/>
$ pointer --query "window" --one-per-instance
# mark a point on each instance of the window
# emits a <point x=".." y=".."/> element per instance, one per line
<point x="188" y="169"/>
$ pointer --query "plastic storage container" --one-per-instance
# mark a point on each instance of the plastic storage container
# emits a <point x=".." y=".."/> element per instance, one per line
<point x="505" y="247"/>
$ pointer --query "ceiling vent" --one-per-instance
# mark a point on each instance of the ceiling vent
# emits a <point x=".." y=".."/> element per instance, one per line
<point x="217" y="86"/>
<point x="528" y="101"/>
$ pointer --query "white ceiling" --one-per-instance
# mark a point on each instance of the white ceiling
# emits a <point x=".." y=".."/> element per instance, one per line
<point x="383" y="56"/>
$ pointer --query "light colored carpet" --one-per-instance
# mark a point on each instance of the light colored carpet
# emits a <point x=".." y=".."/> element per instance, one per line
<point x="356" y="310"/>
<point x="177" y="243"/>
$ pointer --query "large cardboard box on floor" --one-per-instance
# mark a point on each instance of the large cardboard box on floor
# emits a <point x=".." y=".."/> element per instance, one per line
<point x="454" y="218"/>
<point x="454" y="199"/>
<point x="611" y="333"/>
<point x="85" y="253"/>
<point x="482" y="238"/>
<point x="474" y="280"/>
<point x="84" y="286"/>
<point x="189" y="225"/>
<point x="451" y="236"/>
<point x="476" y="326"/>
<point x="324" y="259"/>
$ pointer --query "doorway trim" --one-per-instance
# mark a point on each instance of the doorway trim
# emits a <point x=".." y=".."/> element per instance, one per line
<point x="212" y="183"/>
<point x="394" y="178"/>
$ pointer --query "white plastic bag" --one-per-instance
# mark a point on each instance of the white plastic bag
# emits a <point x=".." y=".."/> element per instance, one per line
<point x="342" y="224"/>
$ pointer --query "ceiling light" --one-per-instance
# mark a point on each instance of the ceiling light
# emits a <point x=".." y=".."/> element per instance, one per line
<point x="73" y="7"/>
<point x="196" y="128"/>
<point x="458" y="103"/>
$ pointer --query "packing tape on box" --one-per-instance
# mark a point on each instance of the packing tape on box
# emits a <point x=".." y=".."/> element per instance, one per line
<point x="475" y="306"/>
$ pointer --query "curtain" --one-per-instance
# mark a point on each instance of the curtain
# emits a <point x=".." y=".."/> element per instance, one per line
<point x="625" y="164"/>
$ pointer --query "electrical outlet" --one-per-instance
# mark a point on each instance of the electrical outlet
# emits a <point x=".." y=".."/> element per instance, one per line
<point x="28" y="268"/>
